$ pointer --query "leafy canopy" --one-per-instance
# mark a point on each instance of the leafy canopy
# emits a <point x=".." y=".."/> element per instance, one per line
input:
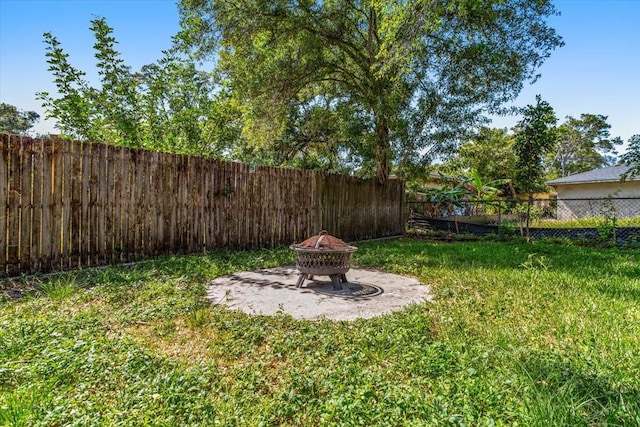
<point x="489" y="153"/>
<point x="632" y="157"/>
<point x="583" y="144"/>
<point x="535" y="136"/>
<point x="168" y="106"/>
<point x="420" y="73"/>
<point x="16" y="121"/>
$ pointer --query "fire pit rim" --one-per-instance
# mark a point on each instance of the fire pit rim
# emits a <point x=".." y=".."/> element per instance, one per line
<point x="347" y="249"/>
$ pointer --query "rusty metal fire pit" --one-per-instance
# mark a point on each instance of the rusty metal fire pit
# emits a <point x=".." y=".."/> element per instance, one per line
<point x="323" y="255"/>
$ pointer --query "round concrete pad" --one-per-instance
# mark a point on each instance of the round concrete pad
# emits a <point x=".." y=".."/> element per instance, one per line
<point x="367" y="293"/>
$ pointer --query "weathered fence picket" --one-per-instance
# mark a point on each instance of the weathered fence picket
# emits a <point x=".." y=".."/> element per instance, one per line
<point x="66" y="204"/>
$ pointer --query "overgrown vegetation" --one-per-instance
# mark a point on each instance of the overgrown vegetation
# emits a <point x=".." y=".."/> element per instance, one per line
<point x="517" y="335"/>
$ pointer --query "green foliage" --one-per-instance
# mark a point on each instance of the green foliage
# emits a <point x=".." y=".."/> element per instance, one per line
<point x="484" y="191"/>
<point x="117" y="115"/>
<point x="516" y="335"/>
<point x="312" y="137"/>
<point x="591" y="222"/>
<point x="534" y="212"/>
<point x="490" y="153"/>
<point x="534" y="263"/>
<point x="508" y="228"/>
<point x="583" y="145"/>
<point x="452" y="194"/>
<point x="168" y="106"/>
<point x="58" y="289"/>
<point x="420" y="74"/>
<point x="457" y="191"/>
<point x="609" y="222"/>
<point x="535" y="136"/>
<point x="632" y="157"/>
<point x="15" y="121"/>
<point x="199" y="317"/>
<point x="72" y="109"/>
<point x="185" y="110"/>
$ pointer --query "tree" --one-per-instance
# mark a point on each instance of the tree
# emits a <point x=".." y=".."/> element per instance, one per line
<point x="72" y="110"/>
<point x="632" y="157"/>
<point x="583" y="144"/>
<point x="420" y="72"/>
<point x="108" y="114"/>
<point x="184" y="110"/>
<point x="535" y="136"/>
<point x="319" y="138"/>
<point x="489" y="153"/>
<point x="168" y="106"/>
<point x="16" y="121"/>
<point x="116" y="104"/>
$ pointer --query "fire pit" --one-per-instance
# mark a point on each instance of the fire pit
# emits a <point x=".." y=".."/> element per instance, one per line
<point x="323" y="255"/>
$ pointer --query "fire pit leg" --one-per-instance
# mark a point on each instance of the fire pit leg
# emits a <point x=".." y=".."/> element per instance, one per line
<point x="343" y="278"/>
<point x="301" y="279"/>
<point x="335" y="281"/>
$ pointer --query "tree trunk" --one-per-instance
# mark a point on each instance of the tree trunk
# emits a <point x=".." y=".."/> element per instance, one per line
<point x="529" y="204"/>
<point x="382" y="148"/>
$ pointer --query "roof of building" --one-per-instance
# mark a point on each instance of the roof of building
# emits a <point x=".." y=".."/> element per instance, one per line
<point x="608" y="174"/>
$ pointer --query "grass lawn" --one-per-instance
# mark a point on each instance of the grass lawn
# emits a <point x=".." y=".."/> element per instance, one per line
<point x="594" y="222"/>
<point x="518" y="334"/>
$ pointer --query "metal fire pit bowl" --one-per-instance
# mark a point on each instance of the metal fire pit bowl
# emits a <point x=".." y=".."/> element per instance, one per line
<point x="323" y="255"/>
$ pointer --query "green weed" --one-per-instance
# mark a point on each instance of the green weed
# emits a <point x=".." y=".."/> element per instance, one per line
<point x="58" y="288"/>
<point x="199" y="317"/>
<point x="518" y="334"/>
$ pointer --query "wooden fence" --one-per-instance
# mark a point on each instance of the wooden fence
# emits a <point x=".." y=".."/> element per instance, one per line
<point x="67" y="204"/>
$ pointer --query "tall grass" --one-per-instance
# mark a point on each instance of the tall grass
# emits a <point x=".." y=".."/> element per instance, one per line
<point x="517" y="335"/>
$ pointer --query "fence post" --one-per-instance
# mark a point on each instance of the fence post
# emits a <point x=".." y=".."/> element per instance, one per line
<point x="499" y="220"/>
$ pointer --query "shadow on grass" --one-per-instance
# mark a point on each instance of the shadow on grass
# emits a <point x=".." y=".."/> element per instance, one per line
<point x="191" y="269"/>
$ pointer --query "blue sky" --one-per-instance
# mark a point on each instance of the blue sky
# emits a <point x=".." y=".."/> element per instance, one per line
<point x="597" y="71"/>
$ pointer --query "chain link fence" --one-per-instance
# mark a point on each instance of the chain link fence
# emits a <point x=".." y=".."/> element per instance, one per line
<point x="614" y="218"/>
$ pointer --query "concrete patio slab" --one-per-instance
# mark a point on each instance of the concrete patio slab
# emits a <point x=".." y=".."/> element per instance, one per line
<point x="368" y="293"/>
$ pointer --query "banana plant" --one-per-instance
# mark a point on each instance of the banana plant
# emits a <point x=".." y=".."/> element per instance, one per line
<point x="480" y="192"/>
<point x="452" y="194"/>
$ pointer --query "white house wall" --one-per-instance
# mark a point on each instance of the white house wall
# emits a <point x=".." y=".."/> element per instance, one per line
<point x="576" y="200"/>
